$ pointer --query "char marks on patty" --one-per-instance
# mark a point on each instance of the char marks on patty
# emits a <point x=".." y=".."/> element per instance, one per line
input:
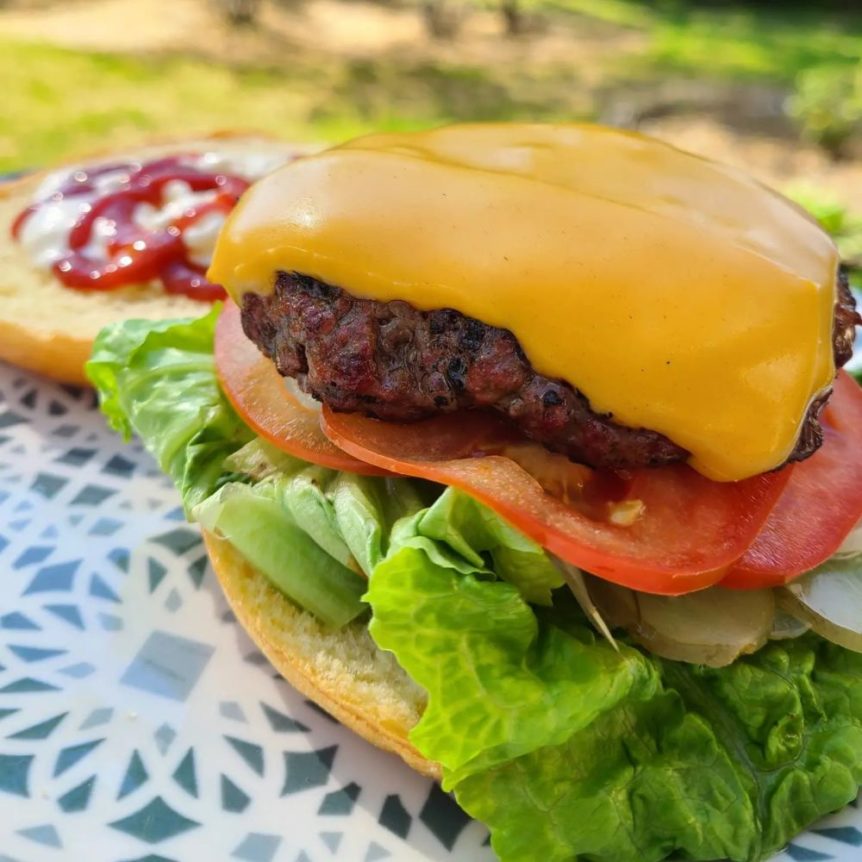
<point x="395" y="362"/>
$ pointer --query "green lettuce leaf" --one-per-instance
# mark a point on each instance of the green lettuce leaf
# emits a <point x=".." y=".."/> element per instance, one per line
<point x="349" y="516"/>
<point x="474" y="532"/>
<point x="646" y="780"/>
<point x="301" y="490"/>
<point x="256" y="521"/>
<point x="500" y="684"/>
<point x="366" y="510"/>
<point x="158" y="379"/>
<point x="568" y="750"/>
<point x="728" y="763"/>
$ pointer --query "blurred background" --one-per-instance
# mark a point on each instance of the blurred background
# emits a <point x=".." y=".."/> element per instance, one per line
<point x="773" y="86"/>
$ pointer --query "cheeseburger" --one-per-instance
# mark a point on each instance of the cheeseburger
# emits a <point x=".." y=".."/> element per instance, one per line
<point x="528" y="453"/>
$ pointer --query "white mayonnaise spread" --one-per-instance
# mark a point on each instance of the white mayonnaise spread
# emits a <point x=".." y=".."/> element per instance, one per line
<point x="44" y="236"/>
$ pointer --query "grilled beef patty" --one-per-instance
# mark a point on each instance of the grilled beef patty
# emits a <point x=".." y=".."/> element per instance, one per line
<point x="392" y="361"/>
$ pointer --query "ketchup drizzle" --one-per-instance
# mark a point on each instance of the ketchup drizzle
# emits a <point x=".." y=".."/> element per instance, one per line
<point x="135" y="254"/>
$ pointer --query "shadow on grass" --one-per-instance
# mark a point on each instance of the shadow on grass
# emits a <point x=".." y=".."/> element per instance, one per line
<point x="392" y="95"/>
<point x="730" y="38"/>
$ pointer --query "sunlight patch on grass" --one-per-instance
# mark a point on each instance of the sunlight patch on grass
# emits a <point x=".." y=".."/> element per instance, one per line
<point x="729" y="41"/>
<point x="752" y="44"/>
<point x="59" y="103"/>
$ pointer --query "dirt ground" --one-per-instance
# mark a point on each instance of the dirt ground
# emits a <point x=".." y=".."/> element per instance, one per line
<point x="343" y="28"/>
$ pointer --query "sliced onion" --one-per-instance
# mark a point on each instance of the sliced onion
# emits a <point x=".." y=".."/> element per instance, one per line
<point x="785" y="626"/>
<point x="853" y="543"/>
<point x="712" y="627"/>
<point x="306" y="400"/>
<point x="576" y="582"/>
<point x="830" y="599"/>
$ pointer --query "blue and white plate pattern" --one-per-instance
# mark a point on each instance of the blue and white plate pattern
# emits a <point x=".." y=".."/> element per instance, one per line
<point x="137" y="721"/>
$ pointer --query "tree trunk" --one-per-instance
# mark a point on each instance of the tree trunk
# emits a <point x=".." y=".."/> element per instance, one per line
<point x="241" y="13"/>
<point x="513" y="17"/>
<point x="442" y="21"/>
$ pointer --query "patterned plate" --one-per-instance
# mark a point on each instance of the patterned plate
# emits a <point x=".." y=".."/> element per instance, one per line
<point x="138" y="722"/>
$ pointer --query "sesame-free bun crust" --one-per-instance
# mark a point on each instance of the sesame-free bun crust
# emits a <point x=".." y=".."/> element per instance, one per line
<point x="48" y="328"/>
<point x="342" y="671"/>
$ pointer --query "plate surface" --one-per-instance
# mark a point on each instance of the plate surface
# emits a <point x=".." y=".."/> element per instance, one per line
<point x="138" y="722"/>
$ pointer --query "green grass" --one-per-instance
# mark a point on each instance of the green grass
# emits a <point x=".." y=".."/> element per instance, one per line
<point x="845" y="226"/>
<point x="766" y="42"/>
<point x="59" y="102"/>
<point x="744" y="40"/>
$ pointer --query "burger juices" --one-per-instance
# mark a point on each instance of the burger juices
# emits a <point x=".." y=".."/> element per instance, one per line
<point x="632" y="595"/>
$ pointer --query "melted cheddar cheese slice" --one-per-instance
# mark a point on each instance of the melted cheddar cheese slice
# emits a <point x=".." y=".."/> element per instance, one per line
<point x="677" y="294"/>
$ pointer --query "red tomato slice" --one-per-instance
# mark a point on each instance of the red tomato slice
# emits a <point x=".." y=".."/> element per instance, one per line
<point x="820" y="505"/>
<point x="258" y="393"/>
<point x="689" y="531"/>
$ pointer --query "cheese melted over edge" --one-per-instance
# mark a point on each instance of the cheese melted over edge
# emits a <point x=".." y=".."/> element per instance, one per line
<point x="676" y="293"/>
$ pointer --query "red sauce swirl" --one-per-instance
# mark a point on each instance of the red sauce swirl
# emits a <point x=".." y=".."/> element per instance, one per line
<point x="136" y="255"/>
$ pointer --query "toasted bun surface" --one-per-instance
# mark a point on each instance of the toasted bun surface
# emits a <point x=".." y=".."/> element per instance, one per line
<point x="342" y="671"/>
<point x="49" y="328"/>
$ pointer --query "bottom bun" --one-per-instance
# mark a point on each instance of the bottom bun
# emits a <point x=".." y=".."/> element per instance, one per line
<point x="342" y="671"/>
